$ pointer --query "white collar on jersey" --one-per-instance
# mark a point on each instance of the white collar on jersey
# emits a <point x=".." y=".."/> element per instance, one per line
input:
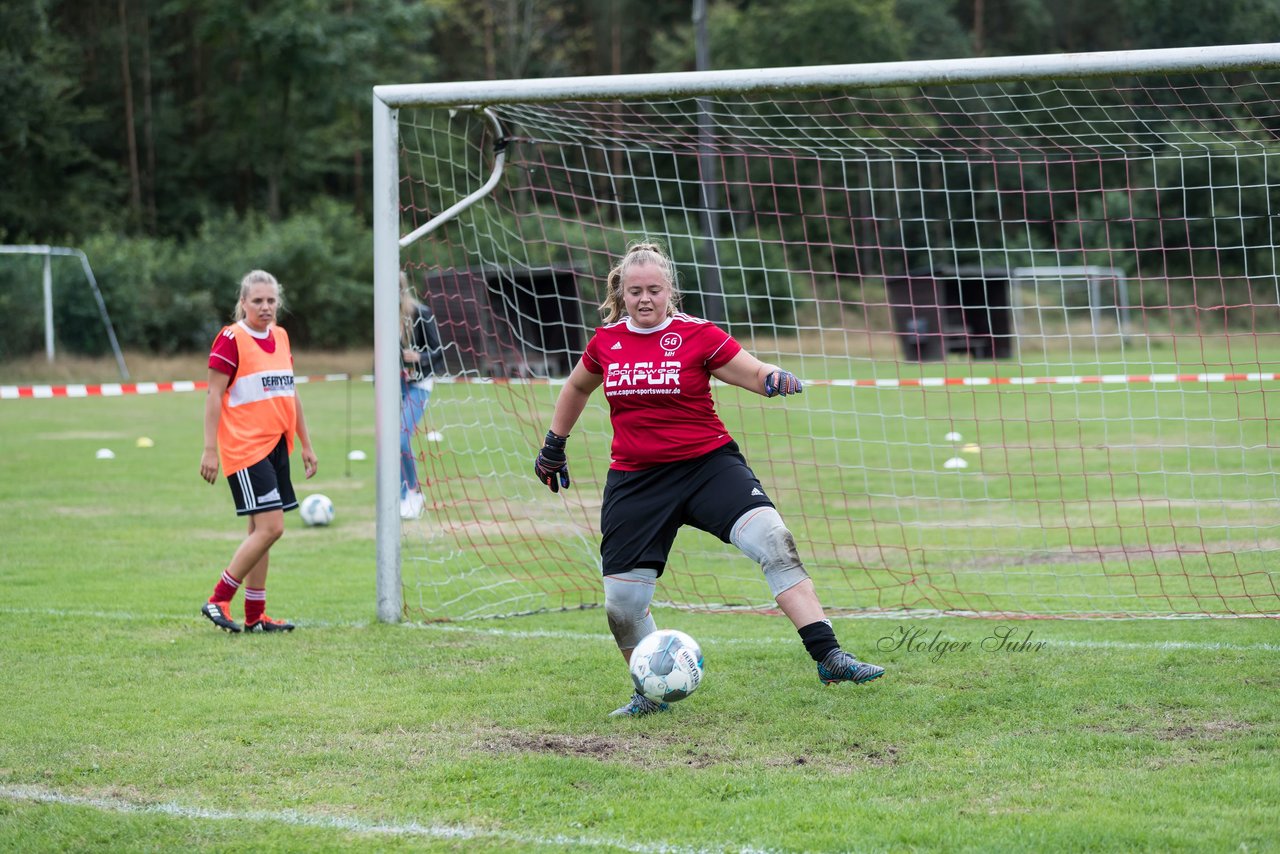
<point x="642" y="331"/>
<point x="263" y="335"/>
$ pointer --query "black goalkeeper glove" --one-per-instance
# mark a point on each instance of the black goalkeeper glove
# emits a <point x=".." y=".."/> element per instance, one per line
<point x="782" y="383"/>
<point x="552" y="466"/>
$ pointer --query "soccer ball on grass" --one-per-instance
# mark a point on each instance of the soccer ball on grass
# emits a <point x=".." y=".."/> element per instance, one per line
<point x="666" y="666"/>
<point x="316" y="510"/>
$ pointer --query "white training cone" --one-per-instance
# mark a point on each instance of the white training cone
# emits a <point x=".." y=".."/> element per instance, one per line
<point x="435" y="436"/>
<point x="956" y="463"/>
<point x="356" y="455"/>
<point x="105" y="454"/>
<point x="953" y="436"/>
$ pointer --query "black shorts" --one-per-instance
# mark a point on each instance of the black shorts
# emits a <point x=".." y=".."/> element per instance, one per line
<point x="265" y="485"/>
<point x="644" y="509"/>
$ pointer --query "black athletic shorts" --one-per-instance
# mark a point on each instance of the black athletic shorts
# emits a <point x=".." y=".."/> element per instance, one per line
<point x="265" y="485"/>
<point x="644" y="509"/>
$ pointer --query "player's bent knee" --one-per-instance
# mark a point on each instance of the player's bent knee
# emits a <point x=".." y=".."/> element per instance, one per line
<point x="269" y="526"/>
<point x="626" y="604"/>
<point x="762" y="536"/>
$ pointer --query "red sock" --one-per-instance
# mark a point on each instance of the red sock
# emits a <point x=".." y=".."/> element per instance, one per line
<point x="255" y="604"/>
<point x="225" y="589"/>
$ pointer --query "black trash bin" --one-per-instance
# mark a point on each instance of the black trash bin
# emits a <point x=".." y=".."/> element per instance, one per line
<point x="517" y="322"/>
<point x="944" y="310"/>
<point x="978" y="313"/>
<point x="917" y="317"/>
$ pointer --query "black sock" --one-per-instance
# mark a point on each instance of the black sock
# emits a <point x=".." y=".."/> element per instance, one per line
<point x="819" y="639"/>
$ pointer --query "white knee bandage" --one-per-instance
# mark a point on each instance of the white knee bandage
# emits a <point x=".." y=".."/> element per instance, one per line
<point x="762" y="536"/>
<point x="626" y="603"/>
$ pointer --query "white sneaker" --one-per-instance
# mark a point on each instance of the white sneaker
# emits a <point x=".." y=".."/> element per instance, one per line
<point x="412" y="505"/>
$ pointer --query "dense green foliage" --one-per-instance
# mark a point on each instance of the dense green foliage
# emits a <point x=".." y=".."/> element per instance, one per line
<point x="171" y="295"/>
<point x="147" y="131"/>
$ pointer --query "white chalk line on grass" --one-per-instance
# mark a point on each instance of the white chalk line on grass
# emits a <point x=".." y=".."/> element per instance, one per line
<point x="350" y="825"/>
<point x="595" y="637"/>
<point x="1049" y="640"/>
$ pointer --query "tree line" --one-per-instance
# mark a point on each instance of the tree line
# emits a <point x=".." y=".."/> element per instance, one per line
<point x="153" y="128"/>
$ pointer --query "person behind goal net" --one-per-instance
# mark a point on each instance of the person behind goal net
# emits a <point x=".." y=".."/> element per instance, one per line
<point x="674" y="462"/>
<point x="421" y="361"/>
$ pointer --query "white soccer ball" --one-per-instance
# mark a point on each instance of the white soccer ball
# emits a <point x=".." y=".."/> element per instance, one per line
<point x="316" y="510"/>
<point x="666" y="666"/>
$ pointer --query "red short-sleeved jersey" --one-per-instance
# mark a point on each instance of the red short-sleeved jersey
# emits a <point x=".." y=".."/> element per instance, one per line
<point x="658" y="385"/>
<point x="223" y="356"/>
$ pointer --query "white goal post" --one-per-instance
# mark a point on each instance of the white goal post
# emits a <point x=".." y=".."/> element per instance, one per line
<point x="1111" y="314"/>
<point x="48" y="253"/>
<point x="1097" y="502"/>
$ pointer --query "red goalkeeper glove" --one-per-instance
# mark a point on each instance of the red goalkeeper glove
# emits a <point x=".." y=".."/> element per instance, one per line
<point x="552" y="466"/>
<point x="782" y="383"/>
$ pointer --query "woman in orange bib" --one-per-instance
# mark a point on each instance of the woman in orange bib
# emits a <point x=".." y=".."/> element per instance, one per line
<point x="251" y="415"/>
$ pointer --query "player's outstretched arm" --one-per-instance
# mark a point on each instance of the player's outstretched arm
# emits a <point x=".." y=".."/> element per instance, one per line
<point x="780" y="382"/>
<point x="746" y="371"/>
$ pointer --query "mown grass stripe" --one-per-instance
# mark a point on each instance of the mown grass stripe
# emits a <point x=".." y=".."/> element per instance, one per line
<point x="347" y="825"/>
<point x="598" y="637"/>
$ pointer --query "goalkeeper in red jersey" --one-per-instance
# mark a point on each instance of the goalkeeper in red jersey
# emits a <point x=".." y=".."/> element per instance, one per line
<point x="674" y="463"/>
<point x="251" y="416"/>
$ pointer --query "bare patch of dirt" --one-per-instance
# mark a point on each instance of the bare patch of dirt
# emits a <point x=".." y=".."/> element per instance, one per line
<point x="624" y="747"/>
<point x="659" y="749"/>
<point x="850" y="759"/>
<point x="1214" y="730"/>
<point x="1171" y="730"/>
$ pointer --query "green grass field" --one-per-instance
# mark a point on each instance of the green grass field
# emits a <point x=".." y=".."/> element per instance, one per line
<point x="130" y="724"/>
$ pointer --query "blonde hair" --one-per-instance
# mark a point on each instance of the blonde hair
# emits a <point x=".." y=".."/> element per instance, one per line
<point x="408" y="315"/>
<point x="638" y="254"/>
<point x="257" y="277"/>
<point x="408" y="298"/>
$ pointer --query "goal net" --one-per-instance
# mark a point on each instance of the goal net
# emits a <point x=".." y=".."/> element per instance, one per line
<point x="1035" y="308"/>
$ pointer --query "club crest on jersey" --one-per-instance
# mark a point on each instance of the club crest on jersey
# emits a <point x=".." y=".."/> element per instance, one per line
<point x="670" y="342"/>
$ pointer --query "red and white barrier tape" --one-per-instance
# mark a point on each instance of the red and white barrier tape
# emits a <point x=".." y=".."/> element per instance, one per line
<point x="15" y="392"/>
<point x="1103" y="379"/>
